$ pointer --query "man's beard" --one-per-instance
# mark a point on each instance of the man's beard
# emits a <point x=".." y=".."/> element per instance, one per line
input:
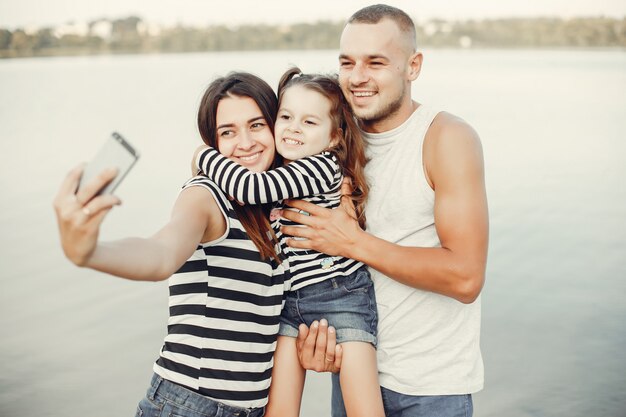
<point x="383" y="113"/>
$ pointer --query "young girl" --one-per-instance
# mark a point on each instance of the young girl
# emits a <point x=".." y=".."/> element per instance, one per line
<point x="320" y="143"/>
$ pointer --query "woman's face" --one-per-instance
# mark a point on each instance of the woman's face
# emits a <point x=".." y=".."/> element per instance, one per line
<point x="243" y="135"/>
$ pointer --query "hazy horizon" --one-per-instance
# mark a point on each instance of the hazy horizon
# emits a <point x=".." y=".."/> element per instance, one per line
<point x="37" y="13"/>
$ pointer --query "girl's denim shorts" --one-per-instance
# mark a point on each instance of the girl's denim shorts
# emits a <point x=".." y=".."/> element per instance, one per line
<point x="348" y="303"/>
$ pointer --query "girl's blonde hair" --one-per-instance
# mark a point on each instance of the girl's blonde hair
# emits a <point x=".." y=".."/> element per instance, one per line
<point x="350" y="149"/>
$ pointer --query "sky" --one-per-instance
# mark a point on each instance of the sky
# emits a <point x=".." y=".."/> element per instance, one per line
<point x="38" y="13"/>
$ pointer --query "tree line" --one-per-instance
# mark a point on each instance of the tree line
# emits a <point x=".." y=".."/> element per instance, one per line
<point x="132" y="35"/>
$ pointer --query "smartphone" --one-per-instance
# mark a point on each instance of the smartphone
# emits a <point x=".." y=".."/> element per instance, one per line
<point x="116" y="152"/>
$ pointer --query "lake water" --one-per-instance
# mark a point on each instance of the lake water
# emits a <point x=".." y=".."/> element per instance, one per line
<point x="80" y="343"/>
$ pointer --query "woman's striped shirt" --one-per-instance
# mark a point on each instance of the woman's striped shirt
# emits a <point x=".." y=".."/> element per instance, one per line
<point x="224" y="303"/>
<point x="316" y="179"/>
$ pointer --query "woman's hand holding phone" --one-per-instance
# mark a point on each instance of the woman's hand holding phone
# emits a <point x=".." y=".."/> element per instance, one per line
<point x="80" y="214"/>
<point x="85" y="198"/>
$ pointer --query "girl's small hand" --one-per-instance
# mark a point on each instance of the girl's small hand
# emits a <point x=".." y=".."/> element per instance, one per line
<point x="194" y="164"/>
<point x="80" y="214"/>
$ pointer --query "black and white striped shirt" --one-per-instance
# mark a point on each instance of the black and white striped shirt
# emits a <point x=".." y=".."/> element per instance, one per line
<point x="315" y="178"/>
<point x="225" y="303"/>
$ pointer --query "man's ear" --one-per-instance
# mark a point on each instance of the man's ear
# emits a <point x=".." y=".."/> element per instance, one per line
<point x="415" y="65"/>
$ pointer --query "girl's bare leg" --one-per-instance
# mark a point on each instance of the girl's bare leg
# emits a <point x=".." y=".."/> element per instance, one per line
<point x="359" y="381"/>
<point x="287" y="380"/>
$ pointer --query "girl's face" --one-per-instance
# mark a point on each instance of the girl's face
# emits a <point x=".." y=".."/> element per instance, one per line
<point x="303" y="126"/>
<point x="243" y="135"/>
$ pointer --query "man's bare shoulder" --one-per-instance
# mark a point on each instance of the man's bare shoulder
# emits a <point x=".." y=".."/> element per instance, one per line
<point x="447" y="127"/>
<point x="450" y="141"/>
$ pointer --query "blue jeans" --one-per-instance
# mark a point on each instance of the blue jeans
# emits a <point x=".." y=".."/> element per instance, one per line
<point x="401" y="405"/>
<point x="347" y="302"/>
<point x="166" y="399"/>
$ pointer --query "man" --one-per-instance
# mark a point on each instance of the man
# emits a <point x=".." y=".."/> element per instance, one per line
<point x="427" y="227"/>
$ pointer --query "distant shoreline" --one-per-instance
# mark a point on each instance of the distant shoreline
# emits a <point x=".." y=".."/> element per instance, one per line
<point x="82" y="53"/>
<point x="131" y="35"/>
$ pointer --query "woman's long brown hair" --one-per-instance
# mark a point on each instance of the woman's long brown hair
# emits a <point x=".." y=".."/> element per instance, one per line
<point x="350" y="149"/>
<point x="254" y="218"/>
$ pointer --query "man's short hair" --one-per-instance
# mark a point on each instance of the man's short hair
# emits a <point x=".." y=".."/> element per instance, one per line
<point x="377" y="12"/>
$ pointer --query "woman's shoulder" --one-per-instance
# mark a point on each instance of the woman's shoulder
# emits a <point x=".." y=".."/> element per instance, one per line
<point x="208" y="184"/>
<point x="202" y="181"/>
<point x="202" y="200"/>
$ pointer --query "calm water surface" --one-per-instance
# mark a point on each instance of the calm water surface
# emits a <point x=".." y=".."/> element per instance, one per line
<point x="76" y="342"/>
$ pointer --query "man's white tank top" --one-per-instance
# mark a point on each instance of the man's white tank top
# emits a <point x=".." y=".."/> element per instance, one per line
<point x="428" y="344"/>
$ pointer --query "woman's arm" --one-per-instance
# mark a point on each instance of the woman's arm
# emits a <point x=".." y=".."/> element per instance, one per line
<point x="305" y="177"/>
<point x="152" y="259"/>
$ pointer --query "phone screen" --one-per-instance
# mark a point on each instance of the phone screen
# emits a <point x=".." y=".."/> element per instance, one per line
<point x="115" y="153"/>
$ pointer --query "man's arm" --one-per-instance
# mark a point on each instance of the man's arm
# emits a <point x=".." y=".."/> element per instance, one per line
<point x="454" y="167"/>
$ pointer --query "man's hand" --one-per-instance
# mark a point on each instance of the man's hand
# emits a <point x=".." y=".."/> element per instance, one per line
<point x="317" y="348"/>
<point x="332" y="232"/>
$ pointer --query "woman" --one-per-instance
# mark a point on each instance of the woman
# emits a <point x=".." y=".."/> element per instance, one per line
<point x="226" y="282"/>
<point x="316" y="134"/>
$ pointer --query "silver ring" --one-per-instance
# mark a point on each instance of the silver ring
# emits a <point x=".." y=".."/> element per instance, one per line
<point x="328" y="360"/>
